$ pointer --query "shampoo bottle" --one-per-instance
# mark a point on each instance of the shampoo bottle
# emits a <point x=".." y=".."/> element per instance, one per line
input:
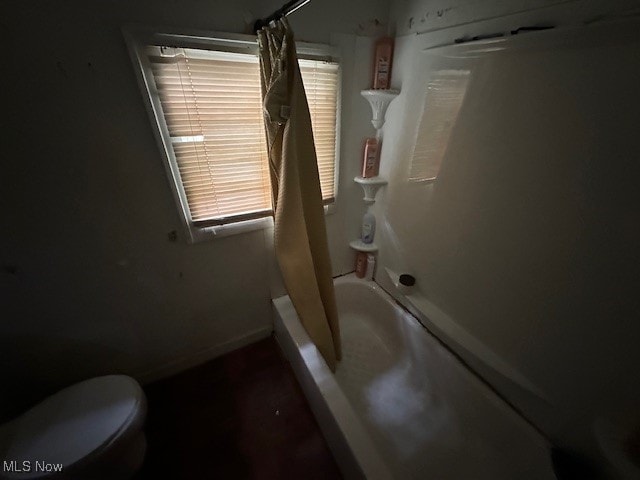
<point x="368" y="227"/>
<point x="371" y="266"/>
<point x="382" y="65"/>
<point x="361" y="264"/>
<point x="371" y="160"/>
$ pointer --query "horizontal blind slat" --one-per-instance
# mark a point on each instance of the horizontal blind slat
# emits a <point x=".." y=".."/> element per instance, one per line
<point x="216" y="96"/>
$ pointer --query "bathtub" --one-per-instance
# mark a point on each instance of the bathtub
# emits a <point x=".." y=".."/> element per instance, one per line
<point x="400" y="405"/>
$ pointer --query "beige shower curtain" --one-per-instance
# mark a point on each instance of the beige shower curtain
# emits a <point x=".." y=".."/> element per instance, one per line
<point x="300" y="234"/>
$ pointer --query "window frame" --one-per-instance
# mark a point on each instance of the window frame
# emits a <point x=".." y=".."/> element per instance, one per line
<point x="138" y="37"/>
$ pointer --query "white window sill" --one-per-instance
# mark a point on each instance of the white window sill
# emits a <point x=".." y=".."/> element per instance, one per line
<point x="202" y="234"/>
<point x="330" y="209"/>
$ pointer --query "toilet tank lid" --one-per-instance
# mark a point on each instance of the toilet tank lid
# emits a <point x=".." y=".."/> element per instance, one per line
<point x="75" y="423"/>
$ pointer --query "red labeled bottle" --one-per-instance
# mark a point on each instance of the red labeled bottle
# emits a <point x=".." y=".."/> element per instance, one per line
<point x="382" y="64"/>
<point x="371" y="160"/>
<point x="361" y="264"/>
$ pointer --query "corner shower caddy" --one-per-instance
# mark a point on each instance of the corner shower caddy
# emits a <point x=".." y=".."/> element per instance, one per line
<point x="379" y="101"/>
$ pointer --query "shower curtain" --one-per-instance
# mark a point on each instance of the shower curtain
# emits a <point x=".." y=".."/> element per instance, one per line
<point x="300" y="234"/>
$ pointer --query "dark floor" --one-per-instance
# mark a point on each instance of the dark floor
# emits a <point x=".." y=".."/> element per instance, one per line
<point x="240" y="416"/>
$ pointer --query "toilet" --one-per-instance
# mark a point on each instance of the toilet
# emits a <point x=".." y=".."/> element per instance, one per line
<point x="89" y="431"/>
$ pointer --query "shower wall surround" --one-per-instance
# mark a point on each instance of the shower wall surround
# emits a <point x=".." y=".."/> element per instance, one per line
<point x="525" y="246"/>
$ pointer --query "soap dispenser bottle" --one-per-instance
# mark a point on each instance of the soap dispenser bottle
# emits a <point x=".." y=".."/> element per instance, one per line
<point x="368" y="227"/>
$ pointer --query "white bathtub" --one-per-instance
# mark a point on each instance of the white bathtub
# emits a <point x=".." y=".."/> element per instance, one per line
<point x="400" y="405"/>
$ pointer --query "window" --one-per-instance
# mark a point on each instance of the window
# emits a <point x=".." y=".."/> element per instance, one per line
<point x="443" y="100"/>
<point x="205" y="98"/>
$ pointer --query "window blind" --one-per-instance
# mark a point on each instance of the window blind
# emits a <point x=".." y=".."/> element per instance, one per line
<point x="443" y="100"/>
<point x="212" y="106"/>
<point x="320" y="81"/>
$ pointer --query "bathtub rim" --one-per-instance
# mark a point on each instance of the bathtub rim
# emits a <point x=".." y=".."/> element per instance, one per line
<point x="356" y="454"/>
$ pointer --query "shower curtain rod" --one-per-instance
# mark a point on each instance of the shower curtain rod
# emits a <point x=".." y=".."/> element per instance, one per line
<point x="283" y="11"/>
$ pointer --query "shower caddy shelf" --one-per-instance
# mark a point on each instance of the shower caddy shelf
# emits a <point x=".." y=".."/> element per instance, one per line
<point x="379" y="100"/>
<point x="360" y="246"/>
<point x="370" y="186"/>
